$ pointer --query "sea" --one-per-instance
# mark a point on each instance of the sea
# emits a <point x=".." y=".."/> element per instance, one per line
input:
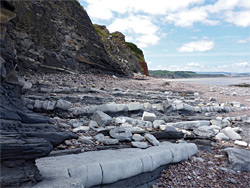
<point x="215" y="81"/>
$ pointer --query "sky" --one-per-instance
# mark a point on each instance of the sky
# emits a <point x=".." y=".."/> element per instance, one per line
<point x="181" y="35"/>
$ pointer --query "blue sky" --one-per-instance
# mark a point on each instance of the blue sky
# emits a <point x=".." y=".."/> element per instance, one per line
<point x="195" y="35"/>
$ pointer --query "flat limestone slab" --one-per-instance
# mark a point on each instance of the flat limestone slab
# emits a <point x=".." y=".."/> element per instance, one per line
<point x="108" y="166"/>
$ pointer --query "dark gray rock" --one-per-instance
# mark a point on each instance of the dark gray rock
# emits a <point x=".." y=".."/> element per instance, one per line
<point x="101" y="118"/>
<point x="238" y="158"/>
<point x="121" y="134"/>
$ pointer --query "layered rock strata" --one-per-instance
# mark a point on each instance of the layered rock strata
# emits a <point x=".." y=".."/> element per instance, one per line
<point x="25" y="136"/>
<point x="57" y="36"/>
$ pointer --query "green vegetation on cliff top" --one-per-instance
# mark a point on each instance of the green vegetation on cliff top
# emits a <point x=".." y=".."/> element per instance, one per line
<point x="136" y="51"/>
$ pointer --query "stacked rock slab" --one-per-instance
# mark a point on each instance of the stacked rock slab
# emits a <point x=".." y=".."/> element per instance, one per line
<point x="24" y="136"/>
<point x="105" y="167"/>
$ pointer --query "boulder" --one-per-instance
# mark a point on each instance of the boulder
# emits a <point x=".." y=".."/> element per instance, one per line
<point x="148" y="116"/>
<point x="110" y="141"/>
<point x="151" y="139"/>
<point x="121" y="134"/>
<point x="222" y="136"/>
<point x="189" y="125"/>
<point x="137" y="138"/>
<point x="101" y="118"/>
<point x="239" y="159"/>
<point x="63" y="105"/>
<point x="240" y="143"/>
<point x="142" y="145"/>
<point x="206" y="131"/>
<point x="135" y="106"/>
<point x="157" y="123"/>
<point x="231" y="133"/>
<point x="81" y="129"/>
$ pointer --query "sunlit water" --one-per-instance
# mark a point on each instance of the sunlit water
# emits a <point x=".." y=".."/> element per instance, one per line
<point x="215" y="81"/>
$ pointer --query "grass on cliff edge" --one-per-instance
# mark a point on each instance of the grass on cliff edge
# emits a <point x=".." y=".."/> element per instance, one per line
<point x="99" y="31"/>
<point x="138" y="53"/>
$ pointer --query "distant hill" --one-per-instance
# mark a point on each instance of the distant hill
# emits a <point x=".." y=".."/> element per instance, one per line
<point x="181" y="74"/>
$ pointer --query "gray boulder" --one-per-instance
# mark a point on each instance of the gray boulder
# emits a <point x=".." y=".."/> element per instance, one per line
<point x="121" y="134"/>
<point x="205" y="131"/>
<point x="148" y="116"/>
<point x="238" y="158"/>
<point x="157" y="123"/>
<point x="101" y="118"/>
<point x="222" y="136"/>
<point x="137" y="138"/>
<point x="151" y="139"/>
<point x="63" y="105"/>
<point x="142" y="145"/>
<point x="231" y="133"/>
<point x="110" y="141"/>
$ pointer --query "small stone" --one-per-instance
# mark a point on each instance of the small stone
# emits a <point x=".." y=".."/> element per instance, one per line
<point x="231" y="133"/>
<point x="212" y="99"/>
<point x="68" y="142"/>
<point x="233" y="181"/>
<point x="148" y="116"/>
<point x="64" y="125"/>
<point x="81" y="129"/>
<point x="86" y="140"/>
<point x="137" y="138"/>
<point x="109" y="141"/>
<point x="222" y="136"/>
<point x="121" y="134"/>
<point x="158" y="123"/>
<point x="101" y="118"/>
<point x="142" y="145"/>
<point x="240" y="143"/>
<point x="152" y="140"/>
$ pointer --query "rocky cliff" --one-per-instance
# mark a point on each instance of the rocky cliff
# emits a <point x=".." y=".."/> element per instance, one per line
<point x="57" y="35"/>
<point x="25" y="135"/>
<point x="128" y="56"/>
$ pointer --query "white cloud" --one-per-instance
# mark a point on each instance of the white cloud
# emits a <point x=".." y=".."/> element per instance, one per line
<point x="156" y="7"/>
<point x="240" y="67"/>
<point x="143" y="30"/>
<point x="198" y="46"/>
<point x="235" y="67"/>
<point x="192" y="64"/>
<point x="187" y="18"/>
<point x="243" y="41"/>
<point x="239" y="18"/>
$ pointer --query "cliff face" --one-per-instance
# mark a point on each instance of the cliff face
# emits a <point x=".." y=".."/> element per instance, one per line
<point x="57" y="35"/>
<point x="115" y="45"/>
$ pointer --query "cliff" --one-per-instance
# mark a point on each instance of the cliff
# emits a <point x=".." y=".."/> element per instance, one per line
<point x="57" y="35"/>
<point x="121" y="51"/>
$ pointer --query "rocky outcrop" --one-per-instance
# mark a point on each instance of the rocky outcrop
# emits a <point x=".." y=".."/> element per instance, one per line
<point x="25" y="135"/>
<point x="57" y="35"/>
<point x="127" y="55"/>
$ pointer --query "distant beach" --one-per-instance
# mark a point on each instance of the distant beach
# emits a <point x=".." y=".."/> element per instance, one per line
<point x="214" y="81"/>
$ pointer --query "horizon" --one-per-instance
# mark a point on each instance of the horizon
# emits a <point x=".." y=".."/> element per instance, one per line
<point x="190" y="35"/>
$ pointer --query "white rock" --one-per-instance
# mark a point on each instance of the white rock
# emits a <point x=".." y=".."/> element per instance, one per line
<point x="162" y="127"/>
<point x="148" y="116"/>
<point x="152" y="140"/>
<point x="157" y="123"/>
<point x="231" y="133"/>
<point x="137" y="138"/>
<point x="81" y="128"/>
<point x="240" y="143"/>
<point x="222" y="136"/>
<point x="142" y="145"/>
